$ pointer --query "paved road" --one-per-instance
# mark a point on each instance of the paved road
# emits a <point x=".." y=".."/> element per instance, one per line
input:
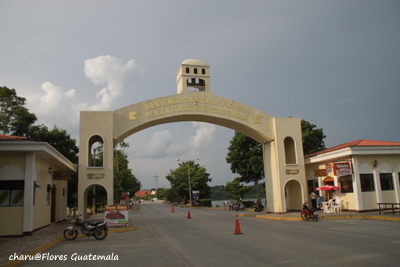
<point x="164" y="238"/>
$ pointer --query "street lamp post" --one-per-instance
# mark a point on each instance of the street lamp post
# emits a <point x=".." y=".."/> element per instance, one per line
<point x="190" y="185"/>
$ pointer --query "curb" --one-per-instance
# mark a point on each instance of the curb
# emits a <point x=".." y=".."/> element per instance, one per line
<point x="272" y="217"/>
<point x="369" y="217"/>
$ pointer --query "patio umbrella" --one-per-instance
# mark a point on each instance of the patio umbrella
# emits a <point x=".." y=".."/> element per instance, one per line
<point x="328" y="187"/>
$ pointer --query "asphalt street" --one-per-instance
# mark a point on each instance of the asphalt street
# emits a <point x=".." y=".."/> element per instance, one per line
<point x="166" y="238"/>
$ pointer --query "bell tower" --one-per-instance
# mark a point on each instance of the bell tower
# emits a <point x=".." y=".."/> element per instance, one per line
<point x="193" y="75"/>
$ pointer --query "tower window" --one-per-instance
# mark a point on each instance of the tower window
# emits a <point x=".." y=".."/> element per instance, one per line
<point x="95" y="152"/>
<point x="203" y="71"/>
<point x="196" y="84"/>
<point x="187" y="70"/>
<point x="195" y="70"/>
<point x="290" y="151"/>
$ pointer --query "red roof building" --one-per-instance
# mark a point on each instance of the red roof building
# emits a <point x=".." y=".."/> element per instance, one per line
<point x="366" y="172"/>
<point x="357" y="143"/>
<point x="4" y="137"/>
<point x="143" y="193"/>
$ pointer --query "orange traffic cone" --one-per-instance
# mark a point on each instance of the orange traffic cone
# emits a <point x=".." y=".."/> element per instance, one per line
<point x="237" y="227"/>
<point x="189" y="217"/>
<point x="172" y="208"/>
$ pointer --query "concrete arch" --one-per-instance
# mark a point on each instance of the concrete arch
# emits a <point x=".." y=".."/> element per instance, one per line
<point x="202" y="106"/>
<point x="194" y="106"/>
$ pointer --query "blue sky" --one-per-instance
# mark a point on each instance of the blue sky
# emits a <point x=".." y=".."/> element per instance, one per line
<point x="335" y="64"/>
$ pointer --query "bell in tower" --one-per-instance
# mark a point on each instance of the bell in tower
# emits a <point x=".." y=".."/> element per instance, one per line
<point x="194" y="76"/>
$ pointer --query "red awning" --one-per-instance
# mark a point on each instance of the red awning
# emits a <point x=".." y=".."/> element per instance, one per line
<point x="328" y="187"/>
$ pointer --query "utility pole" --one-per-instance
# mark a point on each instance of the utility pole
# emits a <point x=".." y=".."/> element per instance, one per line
<point x="156" y="180"/>
<point x="190" y="184"/>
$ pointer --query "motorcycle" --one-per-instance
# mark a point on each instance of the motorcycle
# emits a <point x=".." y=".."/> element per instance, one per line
<point x="96" y="229"/>
<point x="307" y="214"/>
<point x="258" y="208"/>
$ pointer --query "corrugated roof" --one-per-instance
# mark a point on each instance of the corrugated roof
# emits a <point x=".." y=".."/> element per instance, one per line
<point x="4" y="137"/>
<point x="359" y="142"/>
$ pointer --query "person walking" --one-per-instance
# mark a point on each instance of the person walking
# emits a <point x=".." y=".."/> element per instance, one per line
<point x="313" y="197"/>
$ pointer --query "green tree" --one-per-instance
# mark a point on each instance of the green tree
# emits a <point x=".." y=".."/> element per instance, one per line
<point x="57" y="138"/>
<point x="246" y="158"/>
<point x="15" y="119"/>
<point x="124" y="180"/>
<point x="179" y="179"/>
<point x="63" y="143"/>
<point x="236" y="190"/>
<point x="313" y="138"/>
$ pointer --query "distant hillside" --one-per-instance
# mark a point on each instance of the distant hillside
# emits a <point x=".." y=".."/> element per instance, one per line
<point x="218" y="192"/>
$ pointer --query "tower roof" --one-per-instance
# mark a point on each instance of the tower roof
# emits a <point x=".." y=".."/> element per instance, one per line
<point x="196" y="62"/>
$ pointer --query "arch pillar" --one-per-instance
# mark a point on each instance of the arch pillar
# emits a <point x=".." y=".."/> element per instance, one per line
<point x="95" y="123"/>
<point x="277" y="171"/>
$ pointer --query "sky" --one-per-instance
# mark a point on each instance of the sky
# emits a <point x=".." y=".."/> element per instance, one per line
<point x="335" y="64"/>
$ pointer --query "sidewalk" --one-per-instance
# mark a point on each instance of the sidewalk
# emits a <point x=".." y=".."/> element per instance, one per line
<point x="46" y="238"/>
<point x="295" y="216"/>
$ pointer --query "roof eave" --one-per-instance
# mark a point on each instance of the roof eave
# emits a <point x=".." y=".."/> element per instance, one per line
<point x="44" y="147"/>
<point x="353" y="151"/>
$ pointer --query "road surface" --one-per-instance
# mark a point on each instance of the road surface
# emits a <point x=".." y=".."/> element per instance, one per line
<point x="166" y="238"/>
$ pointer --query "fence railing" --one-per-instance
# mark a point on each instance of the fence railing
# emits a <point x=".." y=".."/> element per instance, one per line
<point x="392" y="206"/>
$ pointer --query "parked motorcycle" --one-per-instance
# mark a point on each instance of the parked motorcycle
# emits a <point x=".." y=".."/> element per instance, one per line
<point x="97" y="229"/>
<point x="307" y="214"/>
<point x="258" y="208"/>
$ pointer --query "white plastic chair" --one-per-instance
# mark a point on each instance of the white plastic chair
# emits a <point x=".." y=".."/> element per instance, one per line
<point x="336" y="205"/>
<point x="328" y="207"/>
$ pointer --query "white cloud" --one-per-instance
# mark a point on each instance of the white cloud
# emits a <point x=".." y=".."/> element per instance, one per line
<point x="110" y="72"/>
<point x="70" y="93"/>
<point x="204" y="134"/>
<point x="51" y="98"/>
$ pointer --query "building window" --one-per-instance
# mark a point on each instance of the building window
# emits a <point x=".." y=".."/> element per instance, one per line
<point x="11" y="193"/>
<point x="367" y="182"/>
<point x="187" y="70"/>
<point x="346" y="184"/>
<point x="203" y="71"/>
<point x="195" y="70"/>
<point x="386" y="181"/>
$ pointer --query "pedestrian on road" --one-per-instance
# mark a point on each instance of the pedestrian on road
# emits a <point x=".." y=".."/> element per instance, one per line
<point x="313" y="197"/>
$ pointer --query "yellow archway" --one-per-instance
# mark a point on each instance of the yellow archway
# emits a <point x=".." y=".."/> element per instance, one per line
<point x="195" y="102"/>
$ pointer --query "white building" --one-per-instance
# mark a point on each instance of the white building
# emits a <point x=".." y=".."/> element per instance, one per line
<point x="366" y="171"/>
<point x="33" y="185"/>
